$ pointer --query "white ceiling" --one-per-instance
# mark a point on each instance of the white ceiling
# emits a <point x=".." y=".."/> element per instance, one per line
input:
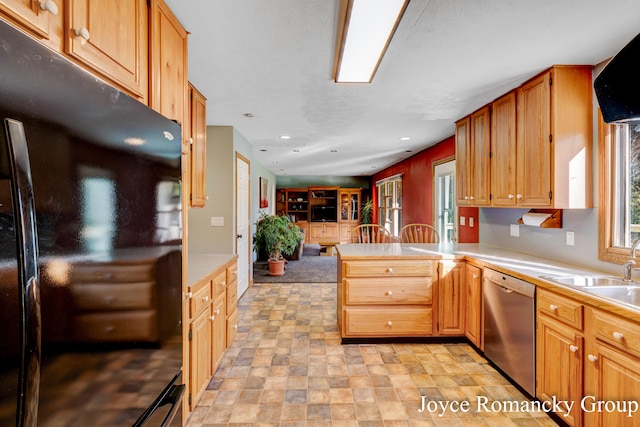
<point x="274" y="58"/>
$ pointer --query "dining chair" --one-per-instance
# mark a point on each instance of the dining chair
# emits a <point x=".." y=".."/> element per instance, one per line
<point x="419" y="233"/>
<point x="370" y="233"/>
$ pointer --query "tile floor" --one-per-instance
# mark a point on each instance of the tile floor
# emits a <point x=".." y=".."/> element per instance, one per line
<point x="287" y="367"/>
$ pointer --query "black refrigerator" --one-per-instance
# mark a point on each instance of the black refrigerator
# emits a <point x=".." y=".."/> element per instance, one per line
<point x="90" y="248"/>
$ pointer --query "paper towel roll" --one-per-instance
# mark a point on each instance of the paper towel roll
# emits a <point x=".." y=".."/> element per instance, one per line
<point x="534" y="219"/>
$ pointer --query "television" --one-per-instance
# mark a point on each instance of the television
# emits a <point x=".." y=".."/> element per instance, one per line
<point x="324" y="214"/>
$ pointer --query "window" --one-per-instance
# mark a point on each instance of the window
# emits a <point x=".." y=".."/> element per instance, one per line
<point x="390" y="204"/>
<point x="619" y="197"/>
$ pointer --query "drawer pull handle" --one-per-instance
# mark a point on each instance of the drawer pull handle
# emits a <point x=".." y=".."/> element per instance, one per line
<point x="592" y="358"/>
<point x="389" y="270"/>
<point x="618" y="335"/>
<point x="217" y="312"/>
<point x="510" y="196"/>
<point x="212" y="318"/>
<point x="573" y="348"/>
<point x="389" y="293"/>
<point x="389" y="323"/>
<point x="235" y="326"/>
<point x="223" y="283"/>
<point x="189" y="295"/>
<point x="205" y="298"/>
<point x="553" y="307"/>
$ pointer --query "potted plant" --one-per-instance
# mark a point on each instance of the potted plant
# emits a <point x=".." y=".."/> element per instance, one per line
<point x="277" y="236"/>
<point x="366" y="211"/>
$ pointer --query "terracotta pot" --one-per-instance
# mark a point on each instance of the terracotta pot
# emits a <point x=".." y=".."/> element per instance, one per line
<point x="276" y="267"/>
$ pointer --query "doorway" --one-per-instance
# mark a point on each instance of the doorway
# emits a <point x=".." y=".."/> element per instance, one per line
<point x="445" y="202"/>
<point x="243" y="229"/>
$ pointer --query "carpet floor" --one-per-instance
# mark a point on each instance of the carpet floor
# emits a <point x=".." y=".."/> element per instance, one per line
<point x="310" y="268"/>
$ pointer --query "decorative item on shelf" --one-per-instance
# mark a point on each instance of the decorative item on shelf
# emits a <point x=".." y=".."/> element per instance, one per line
<point x="276" y="236"/>
<point x="543" y="218"/>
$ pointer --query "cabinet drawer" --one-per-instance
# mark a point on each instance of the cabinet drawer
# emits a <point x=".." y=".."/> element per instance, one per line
<point x="401" y="290"/>
<point x="112" y="273"/>
<point x="219" y="283"/>
<point x="120" y="326"/>
<point x="200" y="299"/>
<point x="232" y="273"/>
<point x="616" y="331"/>
<point x="232" y="296"/>
<point x="232" y="327"/>
<point x="113" y="296"/>
<point x="560" y="308"/>
<point x="388" y="268"/>
<point x="387" y="322"/>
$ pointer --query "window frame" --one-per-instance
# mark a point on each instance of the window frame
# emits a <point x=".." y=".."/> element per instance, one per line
<point x="606" y="195"/>
<point x="394" y="209"/>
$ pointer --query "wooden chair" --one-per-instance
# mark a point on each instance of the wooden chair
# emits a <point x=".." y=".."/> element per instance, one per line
<point x="370" y="233"/>
<point x="419" y="233"/>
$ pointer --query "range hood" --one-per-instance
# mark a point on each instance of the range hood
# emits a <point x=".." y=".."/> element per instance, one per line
<point x="617" y="87"/>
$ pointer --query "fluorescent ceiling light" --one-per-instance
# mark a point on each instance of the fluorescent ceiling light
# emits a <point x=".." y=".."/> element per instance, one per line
<point x="365" y="30"/>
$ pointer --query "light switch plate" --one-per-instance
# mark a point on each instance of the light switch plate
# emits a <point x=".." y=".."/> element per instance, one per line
<point x="470" y="221"/>
<point x="515" y="230"/>
<point x="217" y="221"/>
<point x="463" y="220"/>
<point x="570" y="238"/>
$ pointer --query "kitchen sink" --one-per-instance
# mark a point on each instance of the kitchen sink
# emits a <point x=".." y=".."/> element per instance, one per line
<point x="625" y="294"/>
<point x="588" y="281"/>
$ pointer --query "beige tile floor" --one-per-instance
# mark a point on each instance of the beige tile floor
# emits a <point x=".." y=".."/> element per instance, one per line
<point x="287" y="367"/>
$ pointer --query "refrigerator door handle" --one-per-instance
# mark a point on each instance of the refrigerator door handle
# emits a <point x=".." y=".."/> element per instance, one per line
<point x="171" y="395"/>
<point x="19" y="171"/>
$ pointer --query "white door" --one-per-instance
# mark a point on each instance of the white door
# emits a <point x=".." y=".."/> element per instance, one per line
<point x="445" y="201"/>
<point x="243" y="228"/>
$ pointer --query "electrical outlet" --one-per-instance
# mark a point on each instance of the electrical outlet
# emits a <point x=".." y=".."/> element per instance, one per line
<point x="463" y="220"/>
<point x="570" y="238"/>
<point x="515" y="230"/>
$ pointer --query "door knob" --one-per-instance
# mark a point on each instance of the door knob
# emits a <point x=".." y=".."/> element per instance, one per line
<point x="239" y="236"/>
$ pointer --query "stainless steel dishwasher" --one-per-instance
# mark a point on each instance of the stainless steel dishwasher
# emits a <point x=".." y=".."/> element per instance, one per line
<point x="510" y="327"/>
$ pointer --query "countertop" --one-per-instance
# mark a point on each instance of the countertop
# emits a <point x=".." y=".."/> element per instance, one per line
<point x="517" y="264"/>
<point x="200" y="266"/>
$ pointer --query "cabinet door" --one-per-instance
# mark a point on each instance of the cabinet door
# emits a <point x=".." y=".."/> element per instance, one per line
<point x="473" y="312"/>
<point x="450" y="298"/>
<point x="617" y="378"/>
<point x="219" y="325"/>
<point x="534" y="144"/>
<point x="200" y="354"/>
<point x="168" y="93"/>
<point x="480" y="157"/>
<point x="503" y="151"/>
<point x="111" y="37"/>
<point x="29" y="15"/>
<point x="463" y="177"/>
<point x="198" y="140"/>
<point x="559" y="353"/>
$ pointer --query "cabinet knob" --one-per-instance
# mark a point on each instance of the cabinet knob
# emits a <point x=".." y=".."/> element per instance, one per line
<point x="389" y="323"/>
<point x="510" y="196"/>
<point x="471" y="197"/>
<point x="223" y="283"/>
<point x="82" y="32"/>
<point x="592" y="358"/>
<point x="466" y="197"/>
<point x="212" y="318"/>
<point x="49" y="6"/>
<point x="573" y="348"/>
<point x="217" y="312"/>
<point x="205" y="298"/>
<point x="518" y="196"/>
<point x="389" y="293"/>
<point x="475" y="276"/>
<point x="235" y="326"/>
<point x="389" y="270"/>
<point x="553" y="307"/>
<point x="618" y="335"/>
<point x="189" y="295"/>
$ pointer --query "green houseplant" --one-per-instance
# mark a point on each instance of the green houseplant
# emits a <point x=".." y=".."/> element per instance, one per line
<point x="276" y="236"/>
<point x="366" y="211"/>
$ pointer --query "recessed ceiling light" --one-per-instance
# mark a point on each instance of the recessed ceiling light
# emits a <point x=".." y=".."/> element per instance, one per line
<point x="408" y="151"/>
<point x="263" y="149"/>
<point x="334" y="151"/>
<point x="248" y="115"/>
<point x="296" y="151"/>
<point x="275" y="162"/>
<point x="285" y="137"/>
<point x="405" y="138"/>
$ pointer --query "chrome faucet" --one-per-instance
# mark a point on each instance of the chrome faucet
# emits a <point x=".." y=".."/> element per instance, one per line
<point x="628" y="266"/>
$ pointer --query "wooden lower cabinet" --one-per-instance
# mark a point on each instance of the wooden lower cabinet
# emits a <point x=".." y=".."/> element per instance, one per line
<point x="386" y="297"/>
<point x="212" y="325"/>
<point x="323" y="232"/>
<point x="451" y="304"/>
<point x="587" y="355"/>
<point x="473" y="324"/>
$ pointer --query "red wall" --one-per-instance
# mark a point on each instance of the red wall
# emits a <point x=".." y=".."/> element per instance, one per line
<point x="417" y="189"/>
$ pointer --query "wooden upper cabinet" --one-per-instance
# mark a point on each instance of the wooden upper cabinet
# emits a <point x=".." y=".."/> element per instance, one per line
<point x="198" y="141"/>
<point x="503" y="151"/>
<point x="45" y="24"/>
<point x="111" y="38"/>
<point x="169" y="87"/>
<point x="555" y="138"/>
<point x="472" y="158"/>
